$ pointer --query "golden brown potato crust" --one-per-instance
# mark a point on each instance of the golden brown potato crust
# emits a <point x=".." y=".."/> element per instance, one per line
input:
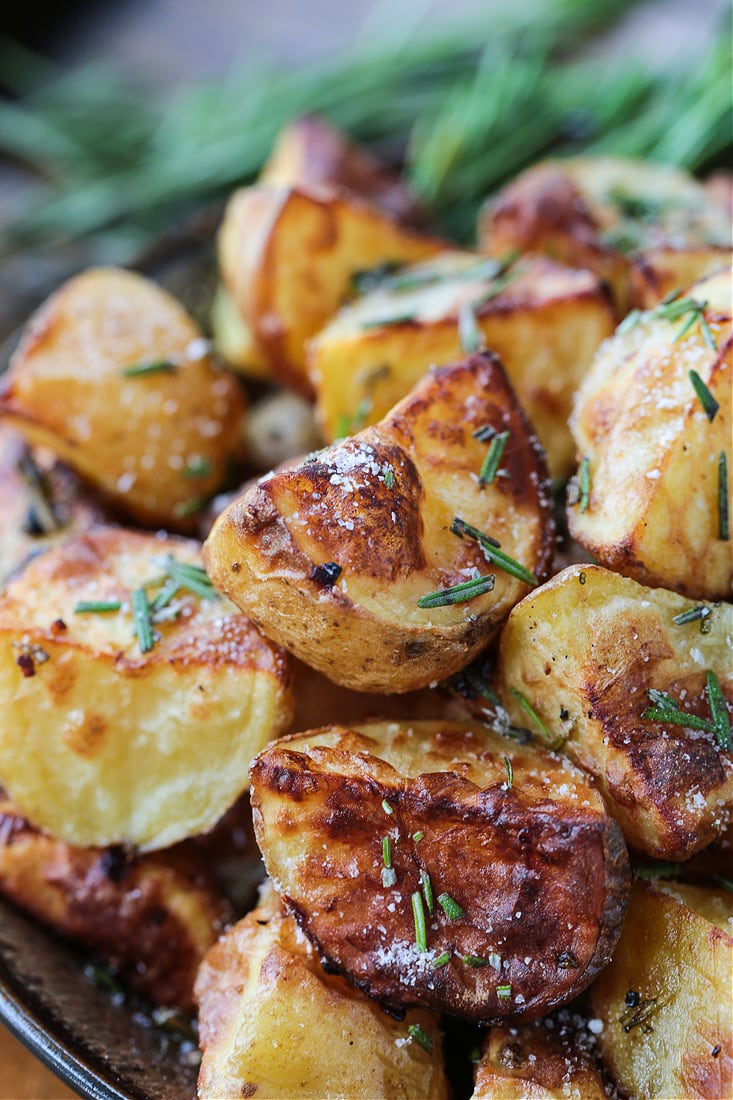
<point x="311" y="153"/>
<point x="547" y="1060"/>
<point x="287" y="257"/>
<point x="152" y="917"/>
<point x="654" y="456"/>
<point x="665" y="999"/>
<point x="379" y="507"/>
<point x="273" y="1023"/>
<point x="606" y="213"/>
<point x="154" y="443"/>
<point x="103" y="743"/>
<point x="515" y="837"/>
<point x="584" y="650"/>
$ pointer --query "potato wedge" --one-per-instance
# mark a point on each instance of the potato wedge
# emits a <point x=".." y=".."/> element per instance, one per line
<point x="660" y="472"/>
<point x="583" y="651"/>
<point x="273" y="1023"/>
<point x="41" y="501"/>
<point x="545" y="322"/>
<point x="155" y="441"/>
<point x="548" y="1060"/>
<point x="310" y="152"/>
<point x="518" y="877"/>
<point x="287" y="256"/>
<point x="330" y="558"/>
<point x="151" y="917"/>
<point x="101" y="738"/>
<point x="665" y="999"/>
<point x="606" y="213"/>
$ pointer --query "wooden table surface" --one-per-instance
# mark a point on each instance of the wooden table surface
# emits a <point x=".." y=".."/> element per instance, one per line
<point x="22" y="1077"/>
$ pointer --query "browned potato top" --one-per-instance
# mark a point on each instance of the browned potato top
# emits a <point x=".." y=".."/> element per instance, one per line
<point x="274" y="1023"/>
<point x="659" y="488"/>
<point x="331" y="557"/>
<point x="595" y="212"/>
<point x="152" y="916"/>
<point x="549" y="1060"/>
<point x="583" y="651"/>
<point x="156" y="442"/>
<point x="506" y="854"/>
<point x="310" y="152"/>
<point x="112" y="733"/>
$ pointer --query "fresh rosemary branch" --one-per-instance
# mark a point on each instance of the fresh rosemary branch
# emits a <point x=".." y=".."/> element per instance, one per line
<point x="474" y="104"/>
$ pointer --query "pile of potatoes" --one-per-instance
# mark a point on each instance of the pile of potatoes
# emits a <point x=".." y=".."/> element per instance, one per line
<point x="458" y="668"/>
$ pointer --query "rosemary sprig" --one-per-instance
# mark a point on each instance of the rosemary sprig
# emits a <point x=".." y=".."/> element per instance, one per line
<point x="96" y="607"/>
<point x="584" y="484"/>
<point x="492" y="551"/>
<point x="158" y="366"/>
<point x="458" y="593"/>
<point x="143" y="622"/>
<point x="658" y="869"/>
<point x="420" y="1036"/>
<point x="427" y="891"/>
<point x="723" y="527"/>
<point x="692" y="615"/>
<point x="470" y="335"/>
<point x="493" y="458"/>
<point x="708" y="402"/>
<point x="451" y="908"/>
<point x="191" y="577"/>
<point x="532" y="713"/>
<point x="418" y="913"/>
<point x="667" y="710"/>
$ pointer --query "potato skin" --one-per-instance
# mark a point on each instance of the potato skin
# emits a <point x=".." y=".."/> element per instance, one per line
<point x="311" y="153"/>
<point x="539" y="868"/>
<point x="545" y="326"/>
<point x="547" y="1060"/>
<point x="102" y="744"/>
<point x="273" y="1023"/>
<point x="676" y="955"/>
<point x="606" y="214"/>
<point x="287" y="257"/>
<point x="654" y="461"/>
<point x="391" y="541"/>
<point x="153" y="444"/>
<point x="583" y="650"/>
<point x="152" y="917"/>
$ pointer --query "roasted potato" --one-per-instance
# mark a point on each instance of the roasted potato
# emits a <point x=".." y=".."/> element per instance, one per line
<point x="134" y="724"/>
<point x="518" y="877"/>
<point x="277" y="428"/>
<point x="582" y="653"/>
<point x="113" y="376"/>
<point x="549" y="1060"/>
<point x="311" y="153"/>
<point x="607" y="214"/>
<point x="656" y="453"/>
<point x="665" y="999"/>
<point x="41" y="501"/>
<point x="151" y="917"/>
<point x="331" y="558"/>
<point x="287" y="256"/>
<point x="545" y="323"/>
<point x="273" y="1023"/>
<point x="655" y="276"/>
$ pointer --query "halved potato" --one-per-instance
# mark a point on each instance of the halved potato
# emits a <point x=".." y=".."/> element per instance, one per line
<point x="273" y="1023"/>
<point x="607" y="213"/>
<point x="104" y="740"/>
<point x="440" y="864"/>
<point x="152" y="917"/>
<point x="287" y="256"/>
<point x="548" y="1060"/>
<point x="545" y="322"/>
<point x="665" y="999"/>
<point x="584" y="651"/>
<point x="659" y="470"/>
<point x="310" y="152"/>
<point x="41" y="501"/>
<point x="113" y="376"/>
<point x="331" y="558"/>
